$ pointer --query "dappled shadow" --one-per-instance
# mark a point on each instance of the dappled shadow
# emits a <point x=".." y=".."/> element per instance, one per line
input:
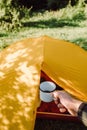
<point x="19" y="84"/>
<point x="51" y="23"/>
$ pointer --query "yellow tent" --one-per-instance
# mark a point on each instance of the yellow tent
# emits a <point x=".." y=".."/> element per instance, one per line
<point x="20" y="68"/>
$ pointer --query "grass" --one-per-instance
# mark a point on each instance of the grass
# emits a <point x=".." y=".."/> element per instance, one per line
<point x="68" y="24"/>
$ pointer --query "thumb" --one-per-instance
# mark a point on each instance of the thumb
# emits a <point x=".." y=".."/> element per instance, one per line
<point x="55" y="96"/>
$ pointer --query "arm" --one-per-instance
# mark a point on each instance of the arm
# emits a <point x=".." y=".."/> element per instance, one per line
<point x="82" y="113"/>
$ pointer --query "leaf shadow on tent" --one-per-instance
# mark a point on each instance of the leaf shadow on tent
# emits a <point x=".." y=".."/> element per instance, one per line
<point x="19" y="78"/>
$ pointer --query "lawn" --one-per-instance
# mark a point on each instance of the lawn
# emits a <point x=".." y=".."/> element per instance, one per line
<point x="69" y="24"/>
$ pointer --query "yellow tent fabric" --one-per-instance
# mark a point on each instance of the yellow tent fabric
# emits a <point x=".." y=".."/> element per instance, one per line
<point x="20" y="67"/>
<point x="66" y="64"/>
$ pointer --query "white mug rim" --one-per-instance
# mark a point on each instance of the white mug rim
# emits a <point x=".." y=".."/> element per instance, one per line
<point x="44" y="91"/>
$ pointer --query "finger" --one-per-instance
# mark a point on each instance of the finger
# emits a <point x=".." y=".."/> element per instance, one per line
<point x="60" y="105"/>
<point x="62" y="110"/>
<point x="56" y="101"/>
<point x="55" y="95"/>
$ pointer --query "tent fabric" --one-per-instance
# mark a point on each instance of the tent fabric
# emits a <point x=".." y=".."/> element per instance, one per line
<point x="66" y="64"/>
<point x="20" y="67"/>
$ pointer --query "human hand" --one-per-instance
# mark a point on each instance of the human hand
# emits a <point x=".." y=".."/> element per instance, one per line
<point x="65" y="101"/>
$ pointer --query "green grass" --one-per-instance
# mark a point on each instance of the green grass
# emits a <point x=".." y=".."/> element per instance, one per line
<point x="69" y="24"/>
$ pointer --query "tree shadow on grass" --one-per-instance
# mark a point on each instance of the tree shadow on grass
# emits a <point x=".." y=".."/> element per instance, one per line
<point x="51" y="23"/>
<point x="3" y="34"/>
<point x="3" y="46"/>
<point x="82" y="42"/>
